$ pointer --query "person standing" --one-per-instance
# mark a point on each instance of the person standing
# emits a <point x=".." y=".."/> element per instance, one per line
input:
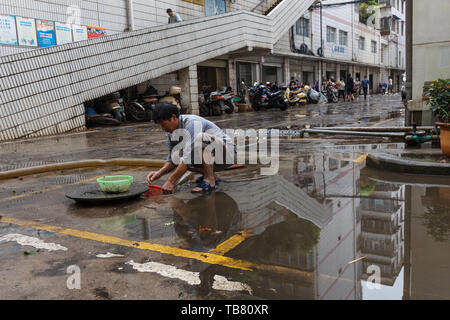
<point x="390" y="86"/>
<point x="349" y="86"/>
<point x="173" y="17"/>
<point x="357" y="88"/>
<point x="365" y="86"/>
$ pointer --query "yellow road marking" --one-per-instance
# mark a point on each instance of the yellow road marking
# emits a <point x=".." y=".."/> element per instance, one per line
<point x="61" y="186"/>
<point x="231" y="243"/>
<point x="206" y="257"/>
<point x="361" y="159"/>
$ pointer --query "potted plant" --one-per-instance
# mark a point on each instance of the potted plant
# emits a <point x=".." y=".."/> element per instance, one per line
<point x="437" y="96"/>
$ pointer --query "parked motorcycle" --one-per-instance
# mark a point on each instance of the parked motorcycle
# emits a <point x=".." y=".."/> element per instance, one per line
<point x="151" y="97"/>
<point x="262" y="98"/>
<point x="331" y="93"/>
<point x="212" y="104"/>
<point x="296" y="96"/>
<point x="315" y="96"/>
<point x="229" y="98"/>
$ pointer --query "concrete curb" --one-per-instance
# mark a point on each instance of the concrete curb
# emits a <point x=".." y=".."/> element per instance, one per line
<point x="80" y="164"/>
<point x="390" y="162"/>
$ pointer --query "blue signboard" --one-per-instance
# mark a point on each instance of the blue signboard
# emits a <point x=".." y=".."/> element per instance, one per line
<point x="46" y="33"/>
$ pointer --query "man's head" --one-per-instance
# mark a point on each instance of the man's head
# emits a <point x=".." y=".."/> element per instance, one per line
<point x="365" y="77"/>
<point x="170" y="12"/>
<point x="167" y="116"/>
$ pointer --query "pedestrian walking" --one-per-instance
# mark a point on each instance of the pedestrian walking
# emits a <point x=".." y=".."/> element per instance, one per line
<point x="173" y="17"/>
<point x="349" y="86"/>
<point x="384" y="85"/>
<point x="365" y="86"/>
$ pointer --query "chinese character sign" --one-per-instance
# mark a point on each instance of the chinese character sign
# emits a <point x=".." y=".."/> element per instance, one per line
<point x="46" y="33"/>
<point x="8" y="33"/>
<point x="26" y="30"/>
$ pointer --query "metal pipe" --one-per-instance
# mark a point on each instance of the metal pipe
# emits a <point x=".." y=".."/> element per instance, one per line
<point x="358" y="133"/>
<point x="377" y="129"/>
<point x="130" y="14"/>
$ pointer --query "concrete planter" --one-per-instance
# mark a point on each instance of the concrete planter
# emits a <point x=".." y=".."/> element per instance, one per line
<point x="445" y="137"/>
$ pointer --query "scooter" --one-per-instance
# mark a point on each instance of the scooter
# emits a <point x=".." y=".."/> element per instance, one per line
<point x="212" y="104"/>
<point x="331" y="93"/>
<point x="296" y="96"/>
<point x="229" y="98"/>
<point x="151" y="97"/>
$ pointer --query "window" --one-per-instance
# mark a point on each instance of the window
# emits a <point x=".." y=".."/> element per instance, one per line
<point x="403" y="28"/>
<point x="374" y="47"/>
<point x="343" y="35"/>
<point x="361" y="43"/>
<point x="382" y="55"/>
<point x="302" y="27"/>
<point x="331" y="34"/>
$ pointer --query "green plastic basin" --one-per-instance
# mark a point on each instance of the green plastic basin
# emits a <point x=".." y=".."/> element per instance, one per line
<point x="115" y="184"/>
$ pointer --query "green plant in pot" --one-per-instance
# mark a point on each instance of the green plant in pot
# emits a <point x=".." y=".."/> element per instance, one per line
<point x="437" y="96"/>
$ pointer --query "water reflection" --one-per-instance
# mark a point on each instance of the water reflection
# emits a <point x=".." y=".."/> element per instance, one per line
<point x="330" y="218"/>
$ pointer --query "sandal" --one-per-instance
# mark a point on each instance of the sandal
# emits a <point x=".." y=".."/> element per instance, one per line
<point x="200" y="180"/>
<point x="205" y="187"/>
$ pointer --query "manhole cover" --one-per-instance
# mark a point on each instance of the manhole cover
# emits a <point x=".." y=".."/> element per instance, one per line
<point x="94" y="195"/>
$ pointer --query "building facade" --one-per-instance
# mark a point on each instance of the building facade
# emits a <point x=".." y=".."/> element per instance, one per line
<point x="327" y="42"/>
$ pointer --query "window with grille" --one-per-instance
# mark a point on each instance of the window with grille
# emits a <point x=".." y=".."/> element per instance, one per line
<point x="361" y="43"/>
<point x="302" y="27"/>
<point x="343" y="36"/>
<point x="331" y="34"/>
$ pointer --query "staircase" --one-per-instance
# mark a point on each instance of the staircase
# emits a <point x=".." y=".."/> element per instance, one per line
<point x="43" y="91"/>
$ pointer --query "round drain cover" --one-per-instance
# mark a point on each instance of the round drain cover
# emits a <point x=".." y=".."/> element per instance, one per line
<point x="93" y="194"/>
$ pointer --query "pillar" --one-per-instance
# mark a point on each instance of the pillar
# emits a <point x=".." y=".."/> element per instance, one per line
<point x="232" y="81"/>
<point x="189" y="89"/>
<point x="287" y="70"/>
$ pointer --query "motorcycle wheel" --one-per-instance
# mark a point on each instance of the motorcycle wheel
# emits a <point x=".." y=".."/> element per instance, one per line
<point x="216" y="109"/>
<point x="284" y="105"/>
<point x="229" y="107"/>
<point x="204" y="110"/>
<point x="136" y="111"/>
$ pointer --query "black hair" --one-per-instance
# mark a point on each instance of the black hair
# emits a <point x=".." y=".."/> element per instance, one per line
<point x="169" y="10"/>
<point x="165" y="111"/>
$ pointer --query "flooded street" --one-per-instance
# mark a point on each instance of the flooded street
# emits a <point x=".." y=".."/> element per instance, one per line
<point x="326" y="227"/>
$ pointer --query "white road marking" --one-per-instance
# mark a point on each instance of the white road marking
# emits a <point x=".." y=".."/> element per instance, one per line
<point x="193" y="278"/>
<point x="33" y="242"/>
<point x="108" y="255"/>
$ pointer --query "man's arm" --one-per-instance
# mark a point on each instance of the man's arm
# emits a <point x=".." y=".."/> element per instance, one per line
<point x="169" y="186"/>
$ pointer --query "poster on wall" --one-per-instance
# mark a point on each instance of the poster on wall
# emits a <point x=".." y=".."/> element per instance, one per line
<point x="46" y="33"/>
<point x="96" y="32"/>
<point x="8" y="33"/>
<point x="26" y="31"/>
<point x="63" y="33"/>
<point x="79" y="33"/>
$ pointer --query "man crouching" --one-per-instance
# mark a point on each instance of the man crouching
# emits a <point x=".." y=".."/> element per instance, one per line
<point x="195" y="144"/>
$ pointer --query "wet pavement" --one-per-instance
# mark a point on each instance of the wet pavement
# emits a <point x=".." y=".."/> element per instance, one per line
<point x="324" y="228"/>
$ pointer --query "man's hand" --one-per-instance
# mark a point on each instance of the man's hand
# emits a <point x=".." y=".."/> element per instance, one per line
<point x="153" y="176"/>
<point x="168" y="187"/>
